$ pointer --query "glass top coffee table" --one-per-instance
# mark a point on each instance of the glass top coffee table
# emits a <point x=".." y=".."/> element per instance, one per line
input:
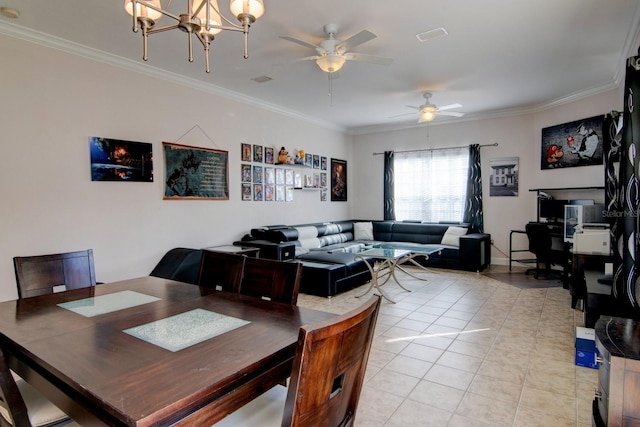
<point x="383" y="267"/>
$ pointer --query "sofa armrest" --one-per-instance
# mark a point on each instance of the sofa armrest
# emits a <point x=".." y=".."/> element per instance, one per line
<point x="475" y="251"/>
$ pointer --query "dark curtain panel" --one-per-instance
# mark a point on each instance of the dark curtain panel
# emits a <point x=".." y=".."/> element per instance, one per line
<point x="473" y="202"/>
<point x="626" y="240"/>
<point x="389" y="197"/>
<point x="611" y="142"/>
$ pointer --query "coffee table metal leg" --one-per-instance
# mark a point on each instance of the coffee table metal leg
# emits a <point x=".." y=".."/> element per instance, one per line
<point x="387" y="267"/>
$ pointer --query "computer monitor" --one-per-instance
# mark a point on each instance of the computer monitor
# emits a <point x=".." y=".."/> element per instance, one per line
<point x="552" y="210"/>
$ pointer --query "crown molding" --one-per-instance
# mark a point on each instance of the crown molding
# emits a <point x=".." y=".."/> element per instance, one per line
<point x="32" y="36"/>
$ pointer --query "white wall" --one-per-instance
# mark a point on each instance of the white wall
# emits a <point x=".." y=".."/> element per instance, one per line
<point x="517" y="136"/>
<point x="52" y="102"/>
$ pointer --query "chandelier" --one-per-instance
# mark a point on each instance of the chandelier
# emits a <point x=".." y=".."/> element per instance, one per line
<point x="202" y="19"/>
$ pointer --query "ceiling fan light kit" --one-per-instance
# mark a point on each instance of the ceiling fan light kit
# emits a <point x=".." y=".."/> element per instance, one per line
<point x="202" y="19"/>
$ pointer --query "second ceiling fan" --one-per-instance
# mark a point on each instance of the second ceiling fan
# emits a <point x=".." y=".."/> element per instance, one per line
<point x="428" y="111"/>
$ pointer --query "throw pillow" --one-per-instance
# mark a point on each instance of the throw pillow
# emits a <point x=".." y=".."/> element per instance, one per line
<point x="452" y="236"/>
<point x="363" y="231"/>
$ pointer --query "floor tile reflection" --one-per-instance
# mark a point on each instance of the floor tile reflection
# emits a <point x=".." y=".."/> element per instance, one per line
<point x="465" y="349"/>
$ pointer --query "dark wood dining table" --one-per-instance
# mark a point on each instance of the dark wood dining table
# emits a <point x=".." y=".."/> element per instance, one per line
<point x="100" y="372"/>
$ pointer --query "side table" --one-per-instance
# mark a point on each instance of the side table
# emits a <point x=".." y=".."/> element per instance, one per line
<point x="239" y="250"/>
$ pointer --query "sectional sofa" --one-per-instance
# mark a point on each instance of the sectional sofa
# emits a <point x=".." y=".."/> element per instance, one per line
<point x="328" y="250"/>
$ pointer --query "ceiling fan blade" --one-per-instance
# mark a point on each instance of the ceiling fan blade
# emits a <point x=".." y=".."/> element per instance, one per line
<point x="355" y="40"/>
<point x="412" y="106"/>
<point x="372" y="59"/>
<point x="401" y="115"/>
<point x="449" y="107"/>
<point x="301" y="42"/>
<point x="449" y="113"/>
<point x="306" y="58"/>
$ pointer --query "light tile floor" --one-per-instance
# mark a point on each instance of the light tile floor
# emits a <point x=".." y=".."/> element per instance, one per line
<point x="463" y="349"/>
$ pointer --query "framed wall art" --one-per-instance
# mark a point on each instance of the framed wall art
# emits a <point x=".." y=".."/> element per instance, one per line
<point x="503" y="180"/>
<point x="257" y="153"/>
<point x="246" y="152"/>
<point x="118" y="160"/>
<point x="195" y="173"/>
<point x="338" y="180"/>
<point x="577" y="143"/>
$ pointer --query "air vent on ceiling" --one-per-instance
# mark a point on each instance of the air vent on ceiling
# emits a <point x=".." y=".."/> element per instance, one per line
<point x="432" y="34"/>
<point x="261" y="79"/>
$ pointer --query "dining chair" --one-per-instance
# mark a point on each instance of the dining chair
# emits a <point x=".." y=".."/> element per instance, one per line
<point x="181" y="264"/>
<point x="326" y="378"/>
<point x="23" y="406"/>
<point x="221" y="270"/>
<point x="272" y="280"/>
<point x="46" y="274"/>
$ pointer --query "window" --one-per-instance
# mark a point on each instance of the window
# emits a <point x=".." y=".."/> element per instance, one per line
<point x="431" y="185"/>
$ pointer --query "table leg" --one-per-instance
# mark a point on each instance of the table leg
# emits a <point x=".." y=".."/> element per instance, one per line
<point x="387" y="266"/>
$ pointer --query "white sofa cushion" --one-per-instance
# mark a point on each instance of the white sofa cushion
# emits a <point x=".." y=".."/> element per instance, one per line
<point x="452" y="236"/>
<point x="363" y="231"/>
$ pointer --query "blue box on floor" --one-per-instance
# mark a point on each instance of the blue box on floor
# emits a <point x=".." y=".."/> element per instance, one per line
<point x="586" y="351"/>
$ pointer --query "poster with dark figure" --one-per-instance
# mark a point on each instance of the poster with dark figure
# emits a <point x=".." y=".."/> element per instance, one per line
<point x="577" y="143"/>
<point x="117" y="160"/>
<point x="338" y="180"/>
<point x="195" y="173"/>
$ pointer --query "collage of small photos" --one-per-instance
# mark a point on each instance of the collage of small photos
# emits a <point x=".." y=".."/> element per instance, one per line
<point x="273" y="175"/>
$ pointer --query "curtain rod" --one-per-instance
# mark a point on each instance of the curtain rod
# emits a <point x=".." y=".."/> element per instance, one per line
<point x="495" y="144"/>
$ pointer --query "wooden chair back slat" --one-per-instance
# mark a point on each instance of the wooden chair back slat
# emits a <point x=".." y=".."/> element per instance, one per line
<point x="42" y="274"/>
<point x="329" y="368"/>
<point x="273" y="280"/>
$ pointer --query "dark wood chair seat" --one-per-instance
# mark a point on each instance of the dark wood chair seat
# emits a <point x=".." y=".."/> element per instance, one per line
<point x="23" y="406"/>
<point x="46" y="274"/>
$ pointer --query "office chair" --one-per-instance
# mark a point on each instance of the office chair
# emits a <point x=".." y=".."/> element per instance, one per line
<point x="326" y="378"/>
<point x="540" y="244"/>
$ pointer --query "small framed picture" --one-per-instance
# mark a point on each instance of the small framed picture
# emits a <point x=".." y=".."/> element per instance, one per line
<point x="323" y="163"/>
<point x="246" y="152"/>
<point x="297" y="180"/>
<point x="257" y="153"/>
<point x="246" y="192"/>
<point x="269" y="193"/>
<point x="269" y="176"/>
<point x="323" y="179"/>
<point x="257" y="192"/>
<point x="257" y="174"/>
<point x="316" y="161"/>
<point x="279" y="193"/>
<point x="288" y="177"/>
<point x="269" y="155"/>
<point x="289" y="194"/>
<point x="323" y="195"/>
<point x="308" y="160"/>
<point x="246" y="172"/>
<point x="279" y="176"/>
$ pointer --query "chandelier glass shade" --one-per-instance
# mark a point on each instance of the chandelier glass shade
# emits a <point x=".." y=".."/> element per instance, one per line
<point x="201" y="19"/>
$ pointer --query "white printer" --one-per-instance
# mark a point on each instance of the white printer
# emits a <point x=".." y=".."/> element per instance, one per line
<point x="592" y="239"/>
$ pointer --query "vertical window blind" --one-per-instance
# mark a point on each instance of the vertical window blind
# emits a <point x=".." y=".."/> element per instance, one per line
<point x="431" y="185"/>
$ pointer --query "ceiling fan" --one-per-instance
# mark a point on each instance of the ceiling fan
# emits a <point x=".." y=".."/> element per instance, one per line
<point x="428" y="111"/>
<point x="331" y="53"/>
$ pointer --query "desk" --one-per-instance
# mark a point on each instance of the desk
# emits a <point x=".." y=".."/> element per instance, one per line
<point x="101" y="375"/>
